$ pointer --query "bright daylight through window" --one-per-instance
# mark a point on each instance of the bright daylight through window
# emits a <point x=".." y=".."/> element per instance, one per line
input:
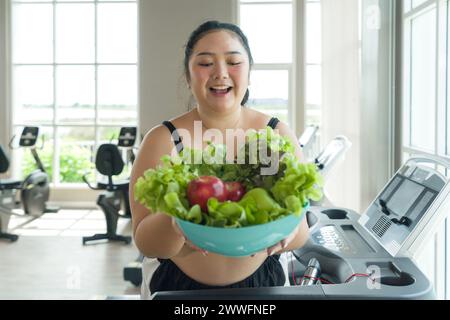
<point x="74" y="75"/>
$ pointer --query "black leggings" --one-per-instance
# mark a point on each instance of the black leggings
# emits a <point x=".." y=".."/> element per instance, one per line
<point x="168" y="277"/>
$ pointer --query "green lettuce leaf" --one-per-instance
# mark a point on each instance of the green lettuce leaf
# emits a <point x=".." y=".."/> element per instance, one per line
<point x="268" y="197"/>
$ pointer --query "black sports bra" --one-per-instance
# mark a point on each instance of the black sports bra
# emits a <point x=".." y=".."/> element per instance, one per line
<point x="178" y="141"/>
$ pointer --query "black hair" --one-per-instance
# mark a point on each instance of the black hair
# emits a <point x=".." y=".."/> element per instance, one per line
<point x="210" y="26"/>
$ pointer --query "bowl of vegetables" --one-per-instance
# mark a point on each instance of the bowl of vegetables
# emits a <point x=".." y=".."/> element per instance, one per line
<point x="269" y="225"/>
<point x="230" y="208"/>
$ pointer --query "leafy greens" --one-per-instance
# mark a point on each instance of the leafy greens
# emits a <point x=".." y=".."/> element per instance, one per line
<point x="269" y="197"/>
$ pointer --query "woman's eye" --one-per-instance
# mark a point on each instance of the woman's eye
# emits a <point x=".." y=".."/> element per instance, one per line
<point x="234" y="63"/>
<point x="205" y="64"/>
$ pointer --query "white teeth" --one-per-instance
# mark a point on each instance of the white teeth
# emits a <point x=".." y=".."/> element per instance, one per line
<point x="220" y="88"/>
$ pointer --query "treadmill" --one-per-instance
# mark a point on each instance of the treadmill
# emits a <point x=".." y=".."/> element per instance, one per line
<point x="368" y="256"/>
<point x="308" y="142"/>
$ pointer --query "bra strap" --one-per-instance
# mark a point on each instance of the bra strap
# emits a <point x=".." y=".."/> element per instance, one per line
<point x="273" y="123"/>
<point x="175" y="136"/>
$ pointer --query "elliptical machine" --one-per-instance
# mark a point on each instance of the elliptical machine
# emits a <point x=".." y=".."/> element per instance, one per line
<point x="8" y="190"/>
<point x="114" y="201"/>
<point x="34" y="189"/>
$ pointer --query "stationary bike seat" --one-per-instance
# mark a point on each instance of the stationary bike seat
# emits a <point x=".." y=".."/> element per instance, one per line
<point x="118" y="185"/>
<point x="8" y="184"/>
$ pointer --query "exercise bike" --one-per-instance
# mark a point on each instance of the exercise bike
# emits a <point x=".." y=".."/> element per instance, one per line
<point x="114" y="201"/>
<point x="34" y="189"/>
<point x="8" y="188"/>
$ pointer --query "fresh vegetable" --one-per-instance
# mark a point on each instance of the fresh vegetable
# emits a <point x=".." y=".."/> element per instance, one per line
<point x="171" y="178"/>
<point x="245" y="197"/>
<point x="298" y="180"/>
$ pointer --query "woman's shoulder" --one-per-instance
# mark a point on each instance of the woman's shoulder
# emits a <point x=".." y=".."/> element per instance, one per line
<point x="183" y="120"/>
<point x="161" y="131"/>
<point x="157" y="139"/>
<point x="258" y="119"/>
<point x="160" y="136"/>
<point x="255" y="119"/>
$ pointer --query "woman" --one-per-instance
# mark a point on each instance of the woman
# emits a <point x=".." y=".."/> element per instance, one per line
<point x="217" y="68"/>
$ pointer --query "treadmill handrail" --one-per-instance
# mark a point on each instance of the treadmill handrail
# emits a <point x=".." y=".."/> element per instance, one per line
<point x="330" y="154"/>
<point x="432" y="159"/>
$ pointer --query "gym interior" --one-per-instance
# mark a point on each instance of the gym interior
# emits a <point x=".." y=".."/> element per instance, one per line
<point x="363" y="84"/>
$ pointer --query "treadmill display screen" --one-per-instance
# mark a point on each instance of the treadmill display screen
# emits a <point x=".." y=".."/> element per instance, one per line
<point x="404" y="197"/>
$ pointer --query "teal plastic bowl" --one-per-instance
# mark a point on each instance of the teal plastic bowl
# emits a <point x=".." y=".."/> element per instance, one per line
<point x="240" y="242"/>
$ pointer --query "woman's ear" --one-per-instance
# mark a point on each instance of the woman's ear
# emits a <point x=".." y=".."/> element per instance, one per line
<point x="188" y="80"/>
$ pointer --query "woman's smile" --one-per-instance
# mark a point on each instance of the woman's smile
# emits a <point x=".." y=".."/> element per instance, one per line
<point x="220" y="91"/>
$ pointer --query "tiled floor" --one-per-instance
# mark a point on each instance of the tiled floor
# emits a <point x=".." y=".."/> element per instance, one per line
<point x="63" y="223"/>
<point x="49" y="261"/>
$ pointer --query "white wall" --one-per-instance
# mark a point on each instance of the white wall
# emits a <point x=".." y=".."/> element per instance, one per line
<point x="165" y="26"/>
<point x="377" y="97"/>
<point x="4" y="117"/>
<point x="340" y="96"/>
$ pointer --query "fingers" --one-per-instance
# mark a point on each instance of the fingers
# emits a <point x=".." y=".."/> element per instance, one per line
<point x="283" y="243"/>
<point x="194" y="247"/>
<point x="275" y="248"/>
<point x="291" y="236"/>
<point x="177" y="229"/>
<point x="186" y="240"/>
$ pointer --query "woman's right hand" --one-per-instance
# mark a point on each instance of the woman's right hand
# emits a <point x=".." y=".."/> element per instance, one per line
<point x="187" y="242"/>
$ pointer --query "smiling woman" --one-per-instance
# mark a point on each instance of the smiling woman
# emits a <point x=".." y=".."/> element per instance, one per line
<point x="218" y="77"/>
<point x="219" y="65"/>
<point x="217" y="68"/>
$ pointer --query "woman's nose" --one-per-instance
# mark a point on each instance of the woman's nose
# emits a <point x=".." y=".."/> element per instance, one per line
<point x="221" y="71"/>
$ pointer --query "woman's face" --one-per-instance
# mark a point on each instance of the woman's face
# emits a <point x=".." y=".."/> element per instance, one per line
<point x="219" y="71"/>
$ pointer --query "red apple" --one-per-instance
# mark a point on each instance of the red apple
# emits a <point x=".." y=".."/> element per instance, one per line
<point x="235" y="190"/>
<point x="203" y="188"/>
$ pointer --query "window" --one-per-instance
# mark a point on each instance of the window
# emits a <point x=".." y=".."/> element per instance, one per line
<point x="425" y="65"/>
<point x="426" y="108"/>
<point x="74" y="74"/>
<point x="269" y="28"/>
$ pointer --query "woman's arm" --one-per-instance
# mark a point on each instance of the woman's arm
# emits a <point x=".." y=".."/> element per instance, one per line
<point x="153" y="234"/>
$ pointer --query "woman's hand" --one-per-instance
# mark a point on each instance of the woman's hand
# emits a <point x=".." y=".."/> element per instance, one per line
<point x="187" y="242"/>
<point x="282" y="244"/>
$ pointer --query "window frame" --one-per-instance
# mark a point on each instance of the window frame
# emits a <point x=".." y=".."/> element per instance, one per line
<point x="291" y="68"/>
<point x="440" y="244"/>
<point x="54" y="125"/>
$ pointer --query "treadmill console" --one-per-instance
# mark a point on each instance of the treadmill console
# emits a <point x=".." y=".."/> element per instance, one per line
<point x="331" y="238"/>
<point x="401" y="206"/>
